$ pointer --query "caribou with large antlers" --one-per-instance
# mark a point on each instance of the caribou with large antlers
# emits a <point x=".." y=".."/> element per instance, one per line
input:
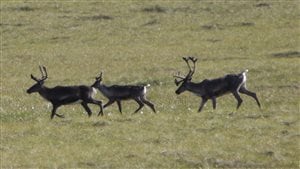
<point x="64" y="95"/>
<point x="211" y="89"/>
<point x="117" y="93"/>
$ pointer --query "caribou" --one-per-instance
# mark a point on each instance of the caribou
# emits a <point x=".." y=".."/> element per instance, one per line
<point x="64" y="95"/>
<point x="118" y="93"/>
<point x="213" y="88"/>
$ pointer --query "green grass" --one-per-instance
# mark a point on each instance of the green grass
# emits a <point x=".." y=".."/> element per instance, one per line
<point x="140" y="42"/>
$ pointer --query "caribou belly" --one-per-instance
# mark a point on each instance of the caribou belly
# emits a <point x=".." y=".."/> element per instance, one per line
<point x="68" y="100"/>
<point x="77" y="102"/>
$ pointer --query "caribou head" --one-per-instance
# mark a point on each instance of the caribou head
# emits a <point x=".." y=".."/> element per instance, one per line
<point x="98" y="81"/>
<point x="182" y="81"/>
<point x="39" y="82"/>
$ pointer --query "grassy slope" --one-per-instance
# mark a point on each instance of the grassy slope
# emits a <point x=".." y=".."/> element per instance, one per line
<point x="144" y="43"/>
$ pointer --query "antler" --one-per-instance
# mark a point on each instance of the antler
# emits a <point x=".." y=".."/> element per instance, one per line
<point x="34" y="78"/>
<point x="43" y="72"/>
<point x="99" y="77"/>
<point x="192" y="70"/>
<point x="180" y="77"/>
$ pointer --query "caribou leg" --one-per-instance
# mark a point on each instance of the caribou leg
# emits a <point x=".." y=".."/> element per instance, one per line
<point x="53" y="111"/>
<point x="204" y="100"/>
<point x="148" y="103"/>
<point x="243" y="90"/>
<point x="99" y="103"/>
<point x="108" y="103"/>
<point x="214" y="102"/>
<point x="87" y="109"/>
<point x="238" y="98"/>
<point x="58" y="115"/>
<point x="141" y="104"/>
<point x="119" y="106"/>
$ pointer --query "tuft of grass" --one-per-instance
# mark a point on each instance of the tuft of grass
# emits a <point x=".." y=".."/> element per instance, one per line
<point x="156" y="8"/>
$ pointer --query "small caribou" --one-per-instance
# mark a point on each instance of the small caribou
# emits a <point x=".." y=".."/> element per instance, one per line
<point x="64" y="95"/>
<point x="117" y="93"/>
<point x="211" y="89"/>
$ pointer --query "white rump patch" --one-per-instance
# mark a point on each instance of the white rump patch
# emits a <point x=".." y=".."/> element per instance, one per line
<point x="244" y="80"/>
<point x="145" y="88"/>
<point x="244" y="76"/>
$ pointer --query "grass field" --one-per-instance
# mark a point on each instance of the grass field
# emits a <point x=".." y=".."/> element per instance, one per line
<point x="141" y="42"/>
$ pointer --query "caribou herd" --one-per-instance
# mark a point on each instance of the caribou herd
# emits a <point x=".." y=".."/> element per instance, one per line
<point x="208" y="89"/>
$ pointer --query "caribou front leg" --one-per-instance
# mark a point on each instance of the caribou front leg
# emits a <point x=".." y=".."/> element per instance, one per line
<point x="119" y="106"/>
<point x="108" y="103"/>
<point x="53" y="113"/>
<point x="214" y="102"/>
<point x="99" y="103"/>
<point x="86" y="108"/>
<point x="148" y="103"/>
<point x="204" y="100"/>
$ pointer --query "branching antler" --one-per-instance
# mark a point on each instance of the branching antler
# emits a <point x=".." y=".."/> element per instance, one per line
<point x="99" y="78"/>
<point x="177" y="82"/>
<point x="43" y="72"/>
<point x="179" y="76"/>
<point x="191" y="70"/>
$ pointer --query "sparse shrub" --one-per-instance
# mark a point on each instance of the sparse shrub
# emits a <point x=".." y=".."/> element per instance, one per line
<point x="97" y="17"/>
<point x="25" y="8"/>
<point x="155" y="8"/>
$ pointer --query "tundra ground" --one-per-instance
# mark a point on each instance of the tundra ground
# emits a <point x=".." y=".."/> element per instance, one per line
<point x="142" y="42"/>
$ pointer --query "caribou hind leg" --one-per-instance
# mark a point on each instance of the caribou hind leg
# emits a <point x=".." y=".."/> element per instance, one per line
<point x="148" y="103"/>
<point x="243" y="90"/>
